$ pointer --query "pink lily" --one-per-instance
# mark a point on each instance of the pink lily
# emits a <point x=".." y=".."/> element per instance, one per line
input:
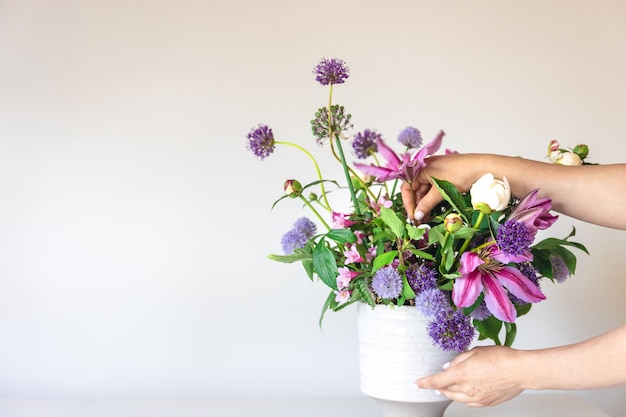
<point x="484" y="273"/>
<point x="400" y="166"/>
<point x="534" y="212"/>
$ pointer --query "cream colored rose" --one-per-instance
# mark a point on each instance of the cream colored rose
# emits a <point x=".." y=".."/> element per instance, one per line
<point x="489" y="192"/>
<point x="568" y="158"/>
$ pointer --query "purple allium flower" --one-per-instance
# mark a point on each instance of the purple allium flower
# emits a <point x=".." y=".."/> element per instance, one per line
<point x="432" y="302"/>
<point x="261" y="141"/>
<point x="452" y="331"/>
<point x="481" y="312"/>
<point x="331" y="71"/>
<point x="340" y="122"/>
<point x="421" y="277"/>
<point x="387" y="282"/>
<point x="364" y="144"/>
<point x="560" y="271"/>
<point x="302" y="230"/>
<point x="514" y="238"/>
<point x="410" y="137"/>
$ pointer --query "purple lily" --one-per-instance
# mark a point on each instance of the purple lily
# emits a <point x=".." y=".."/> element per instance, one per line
<point x="484" y="272"/>
<point x="534" y="212"/>
<point x="400" y="166"/>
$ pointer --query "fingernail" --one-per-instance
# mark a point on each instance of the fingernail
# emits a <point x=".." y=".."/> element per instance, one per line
<point x="437" y="392"/>
<point x="446" y="365"/>
<point x="419" y="215"/>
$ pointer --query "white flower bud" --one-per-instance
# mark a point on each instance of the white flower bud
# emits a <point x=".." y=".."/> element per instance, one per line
<point x="569" y="159"/>
<point x="491" y="192"/>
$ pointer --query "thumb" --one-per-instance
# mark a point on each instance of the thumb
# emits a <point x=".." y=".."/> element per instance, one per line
<point x="427" y="203"/>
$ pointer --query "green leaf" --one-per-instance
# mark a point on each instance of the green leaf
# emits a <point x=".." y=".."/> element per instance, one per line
<point x="383" y="259"/>
<point x="324" y="264"/>
<point x="407" y="291"/>
<point x="360" y="285"/>
<point x="511" y="332"/>
<point x="451" y="195"/>
<point x="326" y="307"/>
<point x="341" y="236"/>
<point x="288" y="259"/>
<point x="393" y="221"/>
<point x="489" y="328"/>
<point x="415" y="233"/>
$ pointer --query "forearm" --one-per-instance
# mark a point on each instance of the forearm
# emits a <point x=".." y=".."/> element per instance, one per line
<point x="594" y="363"/>
<point x="592" y="193"/>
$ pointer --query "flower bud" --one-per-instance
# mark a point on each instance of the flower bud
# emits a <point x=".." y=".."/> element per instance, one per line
<point x="452" y="222"/>
<point x="312" y="197"/>
<point x="581" y="150"/>
<point x="292" y="188"/>
<point x="569" y="159"/>
<point x="553" y="146"/>
<point x="490" y="194"/>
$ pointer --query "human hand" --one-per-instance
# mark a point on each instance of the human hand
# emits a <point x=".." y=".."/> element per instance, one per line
<point x="483" y="376"/>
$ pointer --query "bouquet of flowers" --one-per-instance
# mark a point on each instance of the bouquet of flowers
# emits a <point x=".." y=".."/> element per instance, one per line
<point x="473" y="267"/>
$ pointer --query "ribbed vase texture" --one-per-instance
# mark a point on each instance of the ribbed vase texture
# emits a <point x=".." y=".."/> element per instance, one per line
<point x="394" y="350"/>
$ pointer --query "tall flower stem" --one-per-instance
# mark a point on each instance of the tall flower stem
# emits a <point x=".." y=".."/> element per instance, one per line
<point x="479" y="220"/>
<point x="357" y="210"/>
<point x="317" y="214"/>
<point x="317" y="168"/>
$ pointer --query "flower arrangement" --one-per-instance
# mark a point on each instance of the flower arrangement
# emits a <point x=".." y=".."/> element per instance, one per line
<point x="473" y="267"/>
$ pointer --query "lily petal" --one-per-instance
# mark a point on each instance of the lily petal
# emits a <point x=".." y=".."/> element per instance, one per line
<point x="497" y="299"/>
<point x="519" y="285"/>
<point x="467" y="288"/>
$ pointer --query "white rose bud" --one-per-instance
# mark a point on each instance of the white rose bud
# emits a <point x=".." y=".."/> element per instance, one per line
<point x="490" y="194"/>
<point x="569" y="159"/>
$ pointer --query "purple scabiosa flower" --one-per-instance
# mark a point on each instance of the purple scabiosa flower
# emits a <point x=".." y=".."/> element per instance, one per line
<point x="481" y="312"/>
<point x="340" y="121"/>
<point x="410" y="137"/>
<point x="560" y="271"/>
<point x="387" y="282"/>
<point x="452" y="331"/>
<point x="432" y="302"/>
<point x="364" y="144"/>
<point x="302" y="230"/>
<point x="421" y="277"/>
<point x="514" y="239"/>
<point x="331" y="71"/>
<point x="261" y="141"/>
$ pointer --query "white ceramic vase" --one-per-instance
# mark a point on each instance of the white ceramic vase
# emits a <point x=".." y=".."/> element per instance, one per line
<point x="394" y="350"/>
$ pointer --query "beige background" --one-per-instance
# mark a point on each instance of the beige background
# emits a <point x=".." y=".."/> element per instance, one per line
<point x="134" y="224"/>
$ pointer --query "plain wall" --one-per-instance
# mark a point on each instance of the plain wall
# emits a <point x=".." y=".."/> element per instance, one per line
<point x="134" y="224"/>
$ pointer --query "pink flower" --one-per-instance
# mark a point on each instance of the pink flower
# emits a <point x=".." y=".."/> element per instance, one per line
<point x="345" y="276"/>
<point x="400" y="166"/>
<point x="534" y="212"/>
<point x="342" y="296"/>
<point x="352" y="255"/>
<point x="371" y="254"/>
<point x="341" y="220"/>
<point x="484" y="273"/>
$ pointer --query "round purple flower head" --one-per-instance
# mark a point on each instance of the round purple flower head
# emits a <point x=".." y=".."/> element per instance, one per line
<point x="331" y="71"/>
<point x="452" y="331"/>
<point x="302" y="230"/>
<point x="421" y="277"/>
<point x="481" y="312"/>
<point x="364" y="144"/>
<point x="387" y="282"/>
<point x="261" y="141"/>
<point x="514" y="238"/>
<point x="560" y="271"/>
<point x="432" y="302"/>
<point x="410" y="137"/>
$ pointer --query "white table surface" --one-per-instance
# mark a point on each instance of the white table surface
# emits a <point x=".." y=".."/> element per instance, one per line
<point x="526" y="405"/>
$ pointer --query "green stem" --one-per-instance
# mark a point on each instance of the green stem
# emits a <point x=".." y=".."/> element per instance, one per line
<point x="479" y="220"/>
<point x="357" y="210"/>
<point x="317" y="214"/>
<point x="317" y="168"/>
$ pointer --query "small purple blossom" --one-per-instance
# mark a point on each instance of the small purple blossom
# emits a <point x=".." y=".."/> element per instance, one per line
<point x="364" y="144"/>
<point x="410" y="137"/>
<point x="514" y="238"/>
<point x="302" y="230"/>
<point x="452" y="331"/>
<point x="432" y="302"/>
<point x="261" y="141"/>
<point x="481" y="312"/>
<point x="560" y="271"/>
<point x="387" y="282"/>
<point x="421" y="277"/>
<point x="331" y="71"/>
<point x="340" y="121"/>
